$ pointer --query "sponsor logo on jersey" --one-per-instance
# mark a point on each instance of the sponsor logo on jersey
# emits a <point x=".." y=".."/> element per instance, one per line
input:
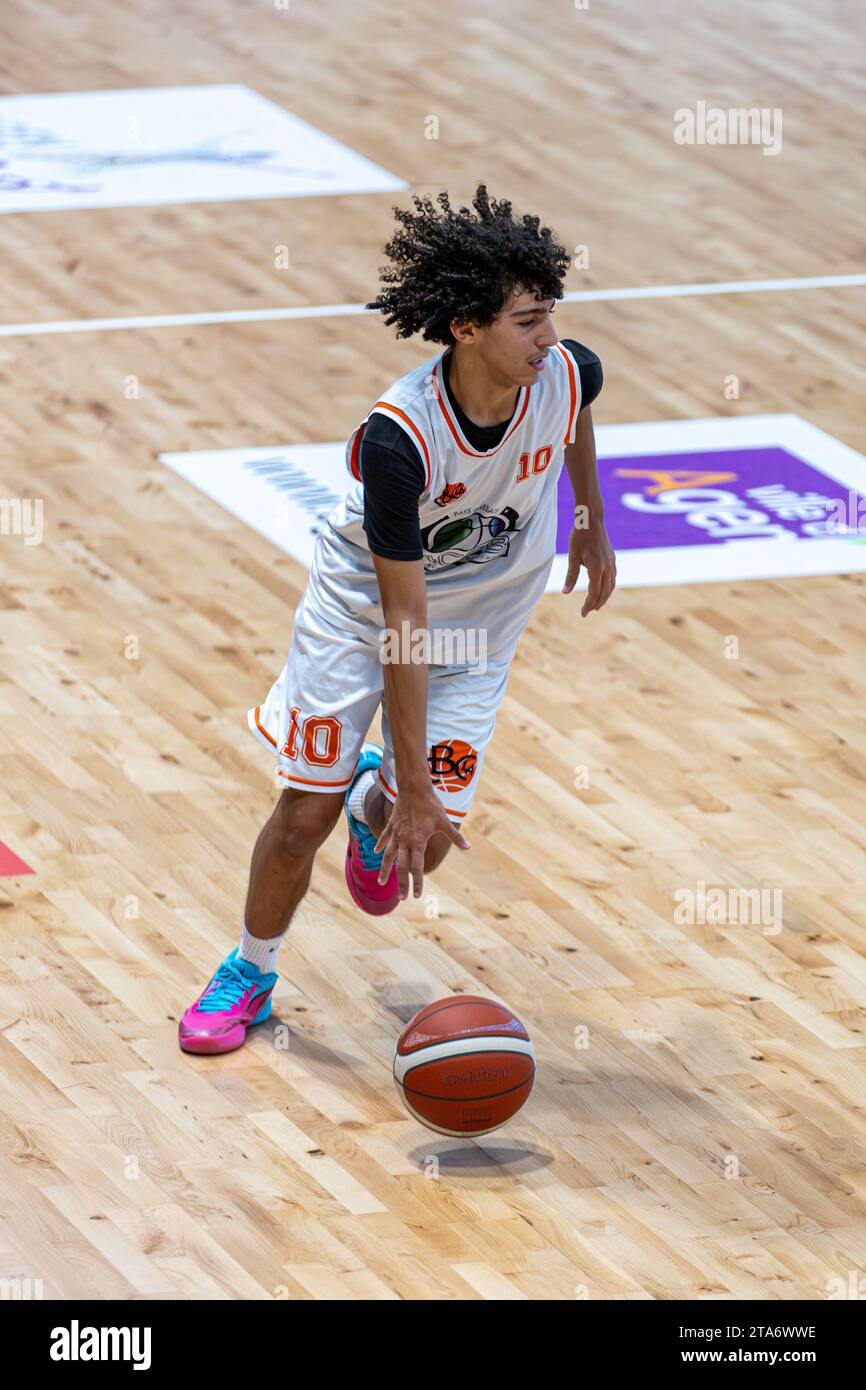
<point x="478" y="537"/>
<point x="450" y="494"/>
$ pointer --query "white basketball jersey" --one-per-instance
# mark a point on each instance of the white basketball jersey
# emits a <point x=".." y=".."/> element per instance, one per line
<point x="488" y="520"/>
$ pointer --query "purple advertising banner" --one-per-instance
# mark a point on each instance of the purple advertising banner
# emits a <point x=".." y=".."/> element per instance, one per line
<point x="709" y="498"/>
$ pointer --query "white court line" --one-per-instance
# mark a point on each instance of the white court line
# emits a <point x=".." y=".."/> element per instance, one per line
<point x="324" y="311"/>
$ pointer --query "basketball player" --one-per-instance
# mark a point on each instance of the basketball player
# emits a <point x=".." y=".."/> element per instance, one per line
<point x="440" y="552"/>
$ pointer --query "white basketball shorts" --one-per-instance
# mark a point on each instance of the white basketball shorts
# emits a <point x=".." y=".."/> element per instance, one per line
<point x="320" y="708"/>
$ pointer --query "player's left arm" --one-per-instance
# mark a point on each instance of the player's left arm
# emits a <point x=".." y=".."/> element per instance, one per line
<point x="588" y="543"/>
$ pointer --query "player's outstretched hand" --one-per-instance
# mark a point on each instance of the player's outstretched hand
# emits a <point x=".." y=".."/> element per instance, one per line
<point x="415" y="818"/>
<point x="592" y="549"/>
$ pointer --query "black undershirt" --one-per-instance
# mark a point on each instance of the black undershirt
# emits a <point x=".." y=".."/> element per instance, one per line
<point x="392" y="469"/>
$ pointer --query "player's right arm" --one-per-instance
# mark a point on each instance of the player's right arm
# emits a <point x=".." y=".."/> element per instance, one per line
<point x="404" y="603"/>
<point x="417" y="813"/>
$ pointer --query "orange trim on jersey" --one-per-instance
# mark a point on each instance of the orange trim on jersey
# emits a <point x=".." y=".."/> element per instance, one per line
<point x="356" y="449"/>
<point x="311" y="782"/>
<point x="385" y="784"/>
<point x="261" y="728"/>
<point x="454" y="428"/>
<point x="393" y="793"/>
<point x="572" y="384"/>
<point x="395" y="410"/>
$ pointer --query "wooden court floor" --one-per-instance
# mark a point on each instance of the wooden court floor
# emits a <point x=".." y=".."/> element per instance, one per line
<point x="697" y="1129"/>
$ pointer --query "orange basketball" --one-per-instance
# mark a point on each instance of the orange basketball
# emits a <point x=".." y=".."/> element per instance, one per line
<point x="464" y="1065"/>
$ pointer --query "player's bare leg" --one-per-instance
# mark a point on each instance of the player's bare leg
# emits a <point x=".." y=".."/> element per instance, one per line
<point x="282" y="860"/>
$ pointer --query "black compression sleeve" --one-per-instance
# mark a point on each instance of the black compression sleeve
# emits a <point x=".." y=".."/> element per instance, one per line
<point x="589" y="366"/>
<point x="393" y="477"/>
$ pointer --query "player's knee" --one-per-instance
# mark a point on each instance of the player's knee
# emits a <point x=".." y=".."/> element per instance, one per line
<point x="304" y="820"/>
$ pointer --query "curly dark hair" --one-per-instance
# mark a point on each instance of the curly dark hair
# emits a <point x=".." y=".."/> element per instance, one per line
<point x="448" y="264"/>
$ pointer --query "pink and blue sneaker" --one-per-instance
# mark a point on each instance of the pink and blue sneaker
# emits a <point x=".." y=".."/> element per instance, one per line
<point x="362" y="861"/>
<point x="238" y="996"/>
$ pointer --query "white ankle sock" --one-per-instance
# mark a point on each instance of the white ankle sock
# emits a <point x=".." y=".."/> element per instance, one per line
<point x="260" y="951"/>
<point x="359" y="793"/>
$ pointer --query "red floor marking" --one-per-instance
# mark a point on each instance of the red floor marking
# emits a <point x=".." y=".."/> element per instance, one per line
<point x="10" y="864"/>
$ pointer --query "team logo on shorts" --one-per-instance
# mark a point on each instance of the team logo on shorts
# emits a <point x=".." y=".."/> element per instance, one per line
<point x="450" y="494"/>
<point x="452" y="765"/>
